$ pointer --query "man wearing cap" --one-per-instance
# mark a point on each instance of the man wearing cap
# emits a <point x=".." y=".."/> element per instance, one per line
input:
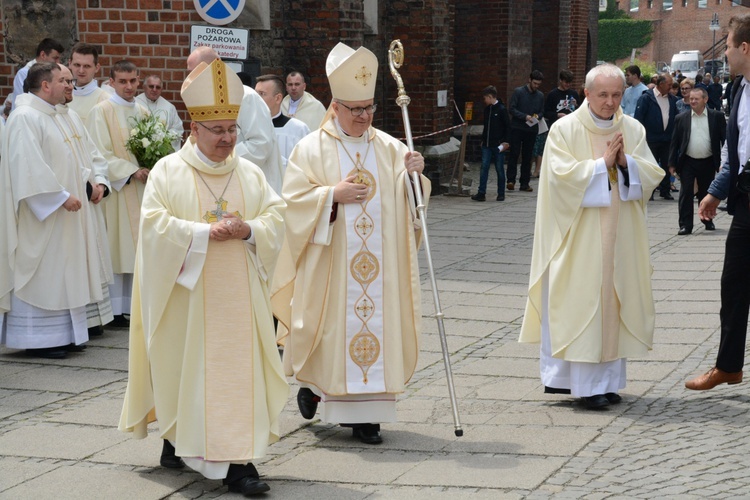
<point x="203" y="356"/>
<point x="347" y="288"/>
<point x="257" y="141"/>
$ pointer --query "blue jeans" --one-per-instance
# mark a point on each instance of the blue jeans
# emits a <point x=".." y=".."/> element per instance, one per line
<point x="490" y="155"/>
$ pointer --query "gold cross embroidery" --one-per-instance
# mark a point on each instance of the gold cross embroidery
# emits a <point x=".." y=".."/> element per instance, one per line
<point x="364" y="225"/>
<point x="365" y="308"/>
<point x="363" y="76"/>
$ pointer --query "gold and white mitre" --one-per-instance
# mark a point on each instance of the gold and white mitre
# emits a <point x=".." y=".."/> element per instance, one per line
<point x="352" y="74"/>
<point x="212" y="92"/>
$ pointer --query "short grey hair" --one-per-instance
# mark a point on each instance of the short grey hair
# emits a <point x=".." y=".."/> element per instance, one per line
<point x="605" y="70"/>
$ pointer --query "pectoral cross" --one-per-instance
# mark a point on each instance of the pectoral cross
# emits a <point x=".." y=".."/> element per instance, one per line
<point x="218" y="214"/>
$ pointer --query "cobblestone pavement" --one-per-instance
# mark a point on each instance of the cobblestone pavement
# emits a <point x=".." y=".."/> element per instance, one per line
<point x="58" y="435"/>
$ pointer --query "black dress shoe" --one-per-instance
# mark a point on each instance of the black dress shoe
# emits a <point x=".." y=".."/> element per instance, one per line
<point x="367" y="433"/>
<point x="48" y="352"/>
<point x="248" y="486"/>
<point x="666" y="196"/>
<point x="120" y="321"/>
<point x="168" y="457"/>
<point x="500" y="198"/>
<point x="555" y="390"/>
<point x="684" y="231"/>
<point x="478" y="197"/>
<point x="595" y="402"/>
<point x="75" y="348"/>
<point x="710" y="226"/>
<point x="96" y="331"/>
<point x="307" y="402"/>
<point x="613" y="398"/>
<point x="722" y="207"/>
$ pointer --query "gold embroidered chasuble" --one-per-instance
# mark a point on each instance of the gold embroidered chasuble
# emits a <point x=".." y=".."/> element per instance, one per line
<point x="109" y="127"/>
<point x="310" y="111"/>
<point x="352" y="307"/>
<point x="600" y="254"/>
<point x="221" y="398"/>
<point x="53" y="264"/>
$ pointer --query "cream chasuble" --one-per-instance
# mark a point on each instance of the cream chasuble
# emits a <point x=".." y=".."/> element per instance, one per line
<point x="109" y="127"/>
<point x="220" y="399"/>
<point x="85" y="98"/>
<point x="167" y="113"/>
<point x="49" y="257"/>
<point x="354" y="294"/>
<point x="309" y="110"/>
<point x="602" y="252"/>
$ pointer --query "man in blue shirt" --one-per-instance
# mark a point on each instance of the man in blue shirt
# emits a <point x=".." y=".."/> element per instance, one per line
<point x="634" y="90"/>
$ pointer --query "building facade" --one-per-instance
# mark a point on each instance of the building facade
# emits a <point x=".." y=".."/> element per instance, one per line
<point x="453" y="48"/>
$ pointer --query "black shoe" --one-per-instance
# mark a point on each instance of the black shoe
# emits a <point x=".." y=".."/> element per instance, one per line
<point x="120" y="321"/>
<point x="96" y="331"/>
<point x="478" y="197"/>
<point x="710" y="226"/>
<point x="528" y="189"/>
<point x="723" y="207"/>
<point x="666" y="196"/>
<point x="555" y="390"/>
<point x="367" y="433"/>
<point x="168" y="458"/>
<point x="684" y="230"/>
<point x="307" y="402"/>
<point x="500" y="198"/>
<point x="248" y="486"/>
<point x="75" y="348"/>
<point x="595" y="402"/>
<point x="48" y="352"/>
<point x="613" y="398"/>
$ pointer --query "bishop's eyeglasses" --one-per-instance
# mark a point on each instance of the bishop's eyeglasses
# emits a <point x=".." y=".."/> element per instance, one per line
<point x="358" y="111"/>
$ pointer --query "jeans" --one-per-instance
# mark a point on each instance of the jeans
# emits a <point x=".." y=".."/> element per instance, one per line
<point x="490" y="155"/>
<point x="521" y="144"/>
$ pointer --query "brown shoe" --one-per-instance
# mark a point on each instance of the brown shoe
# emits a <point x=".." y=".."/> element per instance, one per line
<point x="712" y="378"/>
<point x="510" y="186"/>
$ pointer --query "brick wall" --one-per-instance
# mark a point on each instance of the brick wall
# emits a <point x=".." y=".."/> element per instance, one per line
<point x="683" y="27"/>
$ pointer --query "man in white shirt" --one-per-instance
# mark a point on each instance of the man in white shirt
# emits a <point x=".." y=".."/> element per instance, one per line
<point x="289" y="131"/>
<point x="48" y="50"/>
<point x="301" y="104"/>
<point x="152" y="100"/>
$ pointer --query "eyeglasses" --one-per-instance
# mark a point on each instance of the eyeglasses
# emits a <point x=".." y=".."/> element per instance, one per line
<point x="71" y="82"/>
<point x="155" y="87"/>
<point x="219" y="132"/>
<point x="358" y="111"/>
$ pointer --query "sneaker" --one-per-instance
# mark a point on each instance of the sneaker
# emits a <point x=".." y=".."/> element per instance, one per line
<point x="510" y="186"/>
<point x="527" y="189"/>
<point x="478" y="197"/>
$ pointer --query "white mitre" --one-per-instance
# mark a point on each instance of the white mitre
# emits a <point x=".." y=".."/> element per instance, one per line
<point x="212" y="92"/>
<point x="352" y="74"/>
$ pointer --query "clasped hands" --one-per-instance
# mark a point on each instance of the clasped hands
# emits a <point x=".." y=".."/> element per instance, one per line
<point x="230" y="227"/>
<point x="348" y="191"/>
<point x="615" y="152"/>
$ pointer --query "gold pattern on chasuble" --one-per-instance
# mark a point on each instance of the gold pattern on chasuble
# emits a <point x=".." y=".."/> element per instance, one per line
<point x="364" y="349"/>
<point x="362" y="176"/>
<point x="364" y="267"/>
<point x="363" y="76"/>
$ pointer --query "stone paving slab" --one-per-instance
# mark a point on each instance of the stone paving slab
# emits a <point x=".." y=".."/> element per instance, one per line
<point x="60" y="379"/>
<point x="69" y="442"/>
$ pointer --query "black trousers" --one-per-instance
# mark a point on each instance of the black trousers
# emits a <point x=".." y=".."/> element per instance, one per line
<point x="521" y="143"/>
<point x="692" y="170"/>
<point x="660" y="150"/>
<point x="735" y="291"/>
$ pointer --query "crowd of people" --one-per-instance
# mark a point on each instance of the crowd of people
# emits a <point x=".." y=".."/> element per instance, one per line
<point x="273" y="222"/>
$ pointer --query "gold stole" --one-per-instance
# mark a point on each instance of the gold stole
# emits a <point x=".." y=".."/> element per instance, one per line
<point x="608" y="217"/>
<point x="229" y="336"/>
<point x="118" y="136"/>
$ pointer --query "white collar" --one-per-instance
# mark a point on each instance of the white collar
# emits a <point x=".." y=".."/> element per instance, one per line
<point x="87" y="89"/>
<point x="119" y="100"/>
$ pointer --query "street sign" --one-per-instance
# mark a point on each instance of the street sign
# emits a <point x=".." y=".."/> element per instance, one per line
<point x="229" y="43"/>
<point x="219" y="12"/>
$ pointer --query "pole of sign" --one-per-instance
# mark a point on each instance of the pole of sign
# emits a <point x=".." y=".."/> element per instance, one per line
<point x="395" y="60"/>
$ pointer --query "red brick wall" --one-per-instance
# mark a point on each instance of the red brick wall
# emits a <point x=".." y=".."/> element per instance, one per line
<point x="683" y="27"/>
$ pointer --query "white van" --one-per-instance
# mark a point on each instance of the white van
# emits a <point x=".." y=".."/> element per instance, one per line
<point x="689" y="62"/>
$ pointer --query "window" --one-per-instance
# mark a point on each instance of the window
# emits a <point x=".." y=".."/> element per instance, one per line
<point x="650" y="3"/>
<point x="702" y="4"/>
<point x="666" y="5"/>
<point x="634" y="5"/>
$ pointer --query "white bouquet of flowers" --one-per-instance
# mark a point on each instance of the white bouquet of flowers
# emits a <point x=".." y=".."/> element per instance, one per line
<point x="149" y="140"/>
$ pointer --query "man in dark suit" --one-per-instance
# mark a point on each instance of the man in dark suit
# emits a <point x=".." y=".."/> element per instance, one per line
<point x="695" y="154"/>
<point x="656" y="110"/>
<point x="735" y="292"/>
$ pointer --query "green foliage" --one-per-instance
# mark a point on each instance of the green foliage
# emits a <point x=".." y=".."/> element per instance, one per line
<point x="648" y="68"/>
<point x="618" y="37"/>
<point x="613" y="12"/>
